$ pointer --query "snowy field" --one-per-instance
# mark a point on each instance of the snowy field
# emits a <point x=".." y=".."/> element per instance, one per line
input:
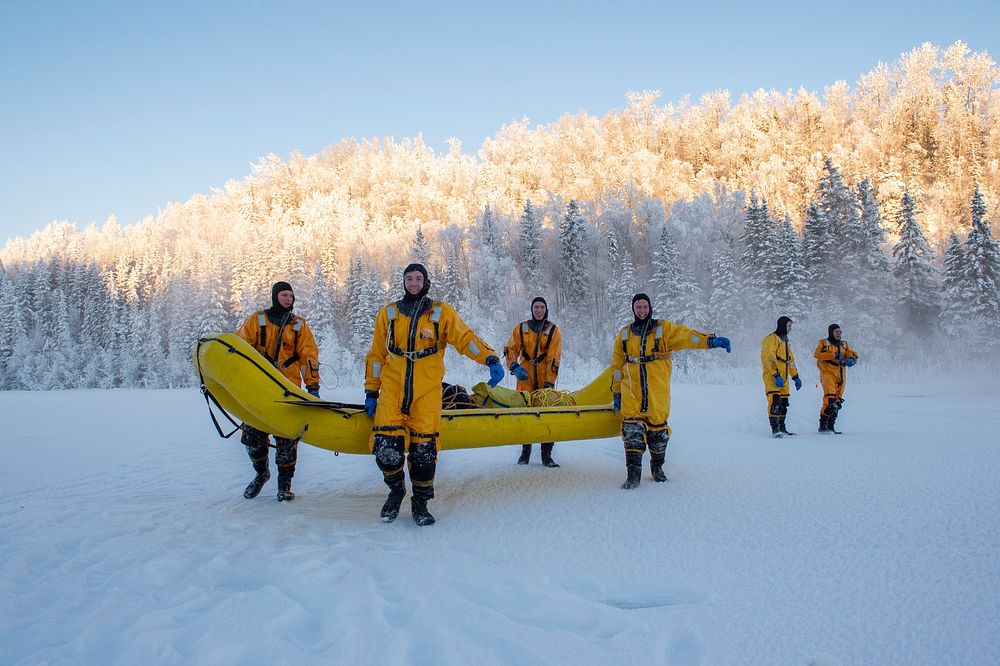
<point x="124" y="538"/>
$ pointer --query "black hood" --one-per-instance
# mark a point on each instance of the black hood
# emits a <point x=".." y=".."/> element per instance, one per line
<point x="414" y="298"/>
<point x="537" y="324"/>
<point x="276" y="312"/>
<point x="639" y="324"/>
<point x="781" y="330"/>
<point x="829" y="334"/>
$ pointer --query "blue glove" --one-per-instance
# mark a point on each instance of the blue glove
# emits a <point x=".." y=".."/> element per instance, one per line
<point x="313" y="390"/>
<point x="850" y="363"/>
<point x="617" y="402"/>
<point x="778" y="381"/>
<point x="496" y="371"/>
<point x="548" y="385"/>
<point x="716" y="342"/>
<point x="519" y="372"/>
<point x="371" y="402"/>
<point x="840" y="357"/>
<point x="798" y="382"/>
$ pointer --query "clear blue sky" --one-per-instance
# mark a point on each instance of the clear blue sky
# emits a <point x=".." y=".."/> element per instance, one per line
<point x="122" y="107"/>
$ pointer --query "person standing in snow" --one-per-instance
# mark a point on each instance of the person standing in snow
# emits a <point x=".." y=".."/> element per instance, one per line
<point x="285" y="340"/>
<point x="532" y="355"/>
<point x="403" y="373"/>
<point x="640" y="384"/>
<point x="833" y="355"/>
<point x="778" y="364"/>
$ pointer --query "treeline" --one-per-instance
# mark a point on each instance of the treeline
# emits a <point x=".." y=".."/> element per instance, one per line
<point x="868" y="208"/>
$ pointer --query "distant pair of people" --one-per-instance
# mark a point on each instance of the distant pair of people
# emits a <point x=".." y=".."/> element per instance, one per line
<point x="833" y="355"/>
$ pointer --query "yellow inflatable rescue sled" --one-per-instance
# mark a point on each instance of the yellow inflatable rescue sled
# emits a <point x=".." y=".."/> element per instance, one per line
<point x="243" y="383"/>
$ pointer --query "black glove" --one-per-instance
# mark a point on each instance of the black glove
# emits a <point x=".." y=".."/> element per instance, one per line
<point x="313" y="390"/>
<point x="548" y="385"/>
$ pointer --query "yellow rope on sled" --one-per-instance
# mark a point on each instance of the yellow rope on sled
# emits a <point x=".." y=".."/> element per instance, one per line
<point x="550" y="397"/>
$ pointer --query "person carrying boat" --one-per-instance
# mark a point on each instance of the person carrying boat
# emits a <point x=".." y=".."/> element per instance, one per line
<point x="640" y="383"/>
<point x="532" y="355"/>
<point x="403" y="373"/>
<point x="833" y="355"/>
<point x="778" y="364"/>
<point x="285" y="340"/>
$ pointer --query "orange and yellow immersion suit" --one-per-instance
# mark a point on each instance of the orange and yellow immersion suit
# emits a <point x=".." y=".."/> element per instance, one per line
<point x="285" y="340"/>
<point x="832" y="375"/>
<point x="404" y="367"/>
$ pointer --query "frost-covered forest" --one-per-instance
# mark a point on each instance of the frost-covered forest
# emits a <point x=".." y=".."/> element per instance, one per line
<point x="868" y="206"/>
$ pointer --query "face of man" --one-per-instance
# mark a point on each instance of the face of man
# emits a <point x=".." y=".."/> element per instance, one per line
<point x="641" y="309"/>
<point x="413" y="282"/>
<point x="286" y="298"/>
<point x="836" y="334"/>
<point x="538" y="310"/>
<point x="788" y="327"/>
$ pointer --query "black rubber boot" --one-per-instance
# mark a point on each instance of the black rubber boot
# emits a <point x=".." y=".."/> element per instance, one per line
<point x="263" y="474"/>
<point x="285" y="493"/>
<point x="421" y="516"/>
<point x="392" y="503"/>
<point x="833" y="429"/>
<point x="775" y="429"/>
<point x="547" y="456"/>
<point x="781" y="427"/>
<point x="633" y="478"/>
<point x="656" y="469"/>
<point x="525" y="454"/>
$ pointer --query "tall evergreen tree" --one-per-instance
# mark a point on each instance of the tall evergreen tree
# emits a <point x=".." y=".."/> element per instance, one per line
<point x="620" y="289"/>
<point x="421" y="251"/>
<point x="573" y="262"/>
<point x="914" y="269"/>
<point x="530" y="241"/>
<point x="983" y="265"/>
<point x="758" y="245"/>
<point x="724" y="298"/>
<point x="957" y="296"/>
<point x="788" y="279"/>
<point x="676" y="295"/>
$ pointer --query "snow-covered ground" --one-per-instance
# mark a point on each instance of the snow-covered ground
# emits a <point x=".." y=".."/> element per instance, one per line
<point x="124" y="538"/>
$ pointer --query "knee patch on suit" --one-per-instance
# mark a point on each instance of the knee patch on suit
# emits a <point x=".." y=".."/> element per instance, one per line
<point x="255" y="441"/>
<point x="388" y="450"/>
<point x="286" y="451"/>
<point x="634" y="436"/>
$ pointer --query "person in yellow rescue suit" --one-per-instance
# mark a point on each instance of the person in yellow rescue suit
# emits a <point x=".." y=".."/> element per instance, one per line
<point x="532" y="355"/>
<point x="833" y="355"/>
<point x="778" y="364"/>
<point x="286" y="341"/>
<point x="403" y="373"/>
<point x="640" y="383"/>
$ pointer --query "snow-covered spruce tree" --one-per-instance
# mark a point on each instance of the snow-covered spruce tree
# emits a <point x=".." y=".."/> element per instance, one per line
<point x="420" y="252"/>
<point x="573" y="276"/>
<point x="869" y="277"/>
<point x="619" y="288"/>
<point x="488" y="233"/>
<point x="788" y="279"/>
<point x="530" y="247"/>
<point x="914" y="270"/>
<point x="839" y="206"/>
<point x="954" y="288"/>
<point x="11" y="330"/>
<point x="982" y="275"/>
<point x="321" y="309"/>
<point x="725" y="296"/>
<point x="675" y="293"/>
<point x="447" y="287"/>
<point x="819" y="247"/>
<point x="758" y="246"/>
